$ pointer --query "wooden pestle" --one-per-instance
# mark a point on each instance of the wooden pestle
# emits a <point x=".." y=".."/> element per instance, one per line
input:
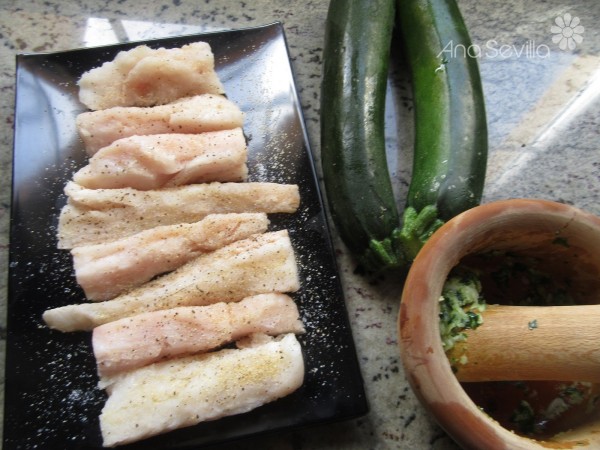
<point x="559" y="343"/>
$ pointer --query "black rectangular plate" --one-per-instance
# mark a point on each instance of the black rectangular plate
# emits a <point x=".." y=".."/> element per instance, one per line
<point x="51" y="397"/>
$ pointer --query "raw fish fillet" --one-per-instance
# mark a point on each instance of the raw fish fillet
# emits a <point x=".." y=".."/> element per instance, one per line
<point x="258" y="265"/>
<point x="109" y="269"/>
<point x="186" y="391"/>
<point x="196" y="114"/>
<point x="145" y="77"/>
<point x="93" y="216"/>
<point x="146" y="338"/>
<point x="165" y="160"/>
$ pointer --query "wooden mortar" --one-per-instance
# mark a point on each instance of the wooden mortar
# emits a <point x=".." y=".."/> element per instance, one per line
<point x="563" y="235"/>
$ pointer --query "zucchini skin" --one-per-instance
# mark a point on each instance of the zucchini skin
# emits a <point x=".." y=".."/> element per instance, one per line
<point x="357" y="183"/>
<point x="451" y="144"/>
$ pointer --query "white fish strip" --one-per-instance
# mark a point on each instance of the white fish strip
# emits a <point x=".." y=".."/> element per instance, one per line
<point x="93" y="216"/>
<point x="165" y="160"/>
<point x="146" y="338"/>
<point x="183" y="392"/>
<point x="144" y="76"/>
<point x="196" y="114"/>
<point x="262" y="264"/>
<point x="109" y="269"/>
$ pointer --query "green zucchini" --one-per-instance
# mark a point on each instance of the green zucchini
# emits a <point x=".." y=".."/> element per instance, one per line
<point x="451" y="135"/>
<point x="450" y="149"/>
<point x="356" y="53"/>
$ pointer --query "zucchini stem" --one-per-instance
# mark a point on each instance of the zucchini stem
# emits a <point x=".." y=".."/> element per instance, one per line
<point x="416" y="229"/>
<point x="401" y="248"/>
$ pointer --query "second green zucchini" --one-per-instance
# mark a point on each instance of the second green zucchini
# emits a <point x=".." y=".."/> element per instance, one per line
<point x="450" y="149"/>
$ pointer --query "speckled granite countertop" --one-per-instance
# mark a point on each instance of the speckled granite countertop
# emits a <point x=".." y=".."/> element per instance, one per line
<point x="543" y="111"/>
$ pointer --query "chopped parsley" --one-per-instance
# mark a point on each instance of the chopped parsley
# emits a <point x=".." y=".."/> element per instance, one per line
<point x="461" y="305"/>
<point x="524" y="418"/>
<point x="539" y="288"/>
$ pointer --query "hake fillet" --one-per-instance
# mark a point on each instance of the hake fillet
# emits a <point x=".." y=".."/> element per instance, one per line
<point x="109" y="269"/>
<point x="165" y="160"/>
<point x="186" y="391"/>
<point x="146" y="338"/>
<point x="197" y="114"/>
<point x="261" y="264"/>
<point x="144" y="76"/>
<point x="93" y="216"/>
